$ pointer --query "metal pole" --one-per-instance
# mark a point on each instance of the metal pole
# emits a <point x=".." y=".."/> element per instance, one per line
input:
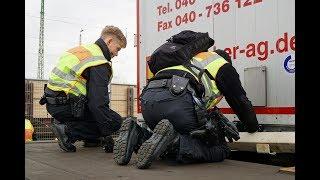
<point x="80" y="37"/>
<point x="41" y="43"/>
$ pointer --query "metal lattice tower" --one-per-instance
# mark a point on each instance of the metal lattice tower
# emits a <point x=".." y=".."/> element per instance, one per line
<point x="41" y="39"/>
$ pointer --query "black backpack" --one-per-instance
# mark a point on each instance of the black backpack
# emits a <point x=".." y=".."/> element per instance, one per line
<point x="179" y="50"/>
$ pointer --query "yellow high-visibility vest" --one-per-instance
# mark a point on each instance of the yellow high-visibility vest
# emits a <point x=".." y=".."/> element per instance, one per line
<point x="212" y="62"/>
<point x="28" y="130"/>
<point x="66" y="76"/>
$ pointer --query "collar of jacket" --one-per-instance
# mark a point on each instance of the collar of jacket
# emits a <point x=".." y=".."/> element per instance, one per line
<point x="104" y="48"/>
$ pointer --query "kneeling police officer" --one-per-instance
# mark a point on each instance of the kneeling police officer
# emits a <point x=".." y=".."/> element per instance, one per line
<point x="179" y="106"/>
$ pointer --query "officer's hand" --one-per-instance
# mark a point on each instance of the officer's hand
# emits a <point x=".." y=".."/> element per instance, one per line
<point x="259" y="129"/>
<point x="251" y="132"/>
<point x="230" y="139"/>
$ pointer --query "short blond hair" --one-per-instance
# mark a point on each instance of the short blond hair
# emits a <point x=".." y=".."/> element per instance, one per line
<point x="115" y="32"/>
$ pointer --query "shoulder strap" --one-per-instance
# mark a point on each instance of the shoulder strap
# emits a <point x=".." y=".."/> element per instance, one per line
<point x="201" y="71"/>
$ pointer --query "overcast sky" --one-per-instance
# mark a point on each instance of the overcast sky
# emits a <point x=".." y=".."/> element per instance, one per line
<point x="63" y="21"/>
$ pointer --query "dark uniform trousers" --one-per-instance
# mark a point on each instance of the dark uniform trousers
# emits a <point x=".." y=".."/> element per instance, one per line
<point x="160" y="103"/>
<point x="86" y="128"/>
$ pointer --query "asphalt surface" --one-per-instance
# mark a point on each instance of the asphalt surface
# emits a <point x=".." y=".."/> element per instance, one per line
<point x="46" y="161"/>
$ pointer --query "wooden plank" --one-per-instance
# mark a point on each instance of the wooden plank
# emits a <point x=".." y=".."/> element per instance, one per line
<point x="268" y="137"/>
<point x="278" y="141"/>
<point x="130" y="101"/>
<point x="119" y="89"/>
<point x="40" y="111"/>
<point x="120" y="107"/>
<point x="119" y="92"/>
<point x="289" y="170"/>
<point x="28" y="100"/>
<point x="135" y="109"/>
<point x="118" y="97"/>
<point x="38" y="88"/>
<point x="135" y="92"/>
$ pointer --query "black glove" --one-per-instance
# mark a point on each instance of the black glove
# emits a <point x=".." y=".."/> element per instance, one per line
<point x="227" y="127"/>
<point x="243" y="128"/>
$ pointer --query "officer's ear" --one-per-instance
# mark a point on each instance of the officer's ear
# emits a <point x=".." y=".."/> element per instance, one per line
<point x="108" y="40"/>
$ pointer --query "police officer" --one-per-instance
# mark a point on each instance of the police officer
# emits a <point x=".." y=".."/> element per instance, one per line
<point x="77" y="96"/>
<point x="170" y="108"/>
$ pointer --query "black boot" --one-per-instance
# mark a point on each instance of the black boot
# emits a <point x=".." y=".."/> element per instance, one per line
<point x="164" y="134"/>
<point x="130" y="138"/>
<point x="172" y="151"/>
<point x="60" y="131"/>
<point x="105" y="142"/>
<point x="108" y="144"/>
<point x="92" y="143"/>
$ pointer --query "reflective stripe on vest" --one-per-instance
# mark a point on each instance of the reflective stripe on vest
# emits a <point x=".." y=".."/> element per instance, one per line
<point x="212" y="62"/>
<point x="66" y="76"/>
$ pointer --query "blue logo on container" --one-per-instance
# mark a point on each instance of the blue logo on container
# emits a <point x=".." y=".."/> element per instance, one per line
<point x="289" y="64"/>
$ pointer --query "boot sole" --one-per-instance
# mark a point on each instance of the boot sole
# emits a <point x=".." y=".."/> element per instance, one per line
<point x="146" y="153"/>
<point x="59" y="135"/>
<point x="120" y="148"/>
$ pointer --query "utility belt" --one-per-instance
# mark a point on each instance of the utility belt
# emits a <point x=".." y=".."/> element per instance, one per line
<point x="77" y="103"/>
<point x="56" y="100"/>
<point x="176" y="85"/>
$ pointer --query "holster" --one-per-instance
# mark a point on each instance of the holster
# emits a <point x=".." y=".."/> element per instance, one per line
<point x="51" y="98"/>
<point x="77" y="105"/>
<point x="178" y="85"/>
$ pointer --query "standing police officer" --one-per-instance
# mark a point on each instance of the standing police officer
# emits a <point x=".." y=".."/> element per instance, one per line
<point x="77" y="92"/>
